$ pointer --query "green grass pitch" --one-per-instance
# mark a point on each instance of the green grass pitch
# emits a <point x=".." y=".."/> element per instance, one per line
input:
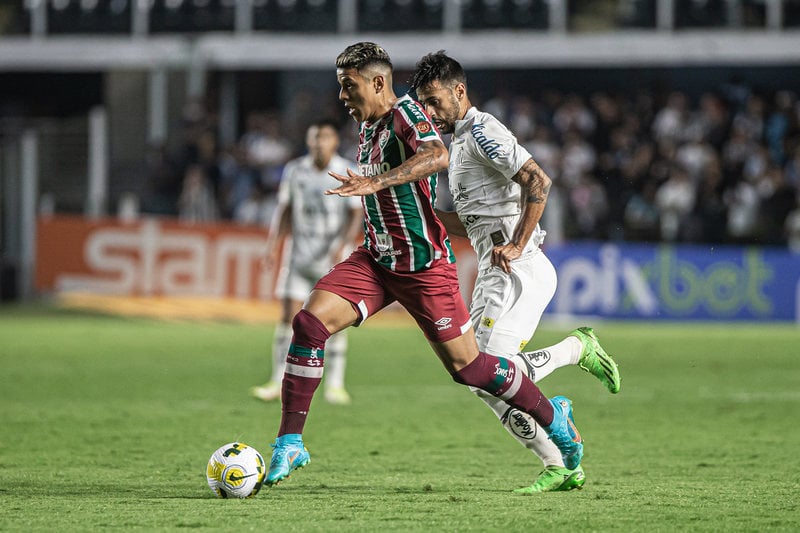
<point x="106" y="423"/>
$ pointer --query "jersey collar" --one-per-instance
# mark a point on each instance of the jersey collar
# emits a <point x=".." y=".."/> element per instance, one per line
<point x="464" y="124"/>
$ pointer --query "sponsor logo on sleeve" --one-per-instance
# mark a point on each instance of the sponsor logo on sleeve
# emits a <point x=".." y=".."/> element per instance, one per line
<point x="490" y="146"/>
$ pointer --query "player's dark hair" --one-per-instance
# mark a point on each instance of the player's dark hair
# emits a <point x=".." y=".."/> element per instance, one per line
<point x="325" y="123"/>
<point x="437" y="66"/>
<point x="363" y="54"/>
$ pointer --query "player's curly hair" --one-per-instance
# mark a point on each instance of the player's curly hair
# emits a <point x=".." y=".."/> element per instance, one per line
<point x="437" y="66"/>
<point x="363" y="54"/>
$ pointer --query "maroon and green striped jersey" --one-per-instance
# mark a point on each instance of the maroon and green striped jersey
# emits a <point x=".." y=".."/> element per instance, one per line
<point x="401" y="230"/>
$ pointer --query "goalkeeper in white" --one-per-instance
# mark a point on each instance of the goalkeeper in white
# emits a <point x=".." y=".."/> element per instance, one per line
<point x="322" y="230"/>
<point x="499" y="193"/>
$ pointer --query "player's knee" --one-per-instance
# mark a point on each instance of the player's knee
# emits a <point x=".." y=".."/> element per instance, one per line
<point x="309" y="330"/>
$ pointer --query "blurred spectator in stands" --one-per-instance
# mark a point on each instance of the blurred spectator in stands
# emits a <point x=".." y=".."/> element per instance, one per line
<point x="197" y="202"/>
<point x="545" y="151"/>
<point x="499" y="105"/>
<point x="194" y="123"/>
<point x="750" y="120"/>
<point x="265" y="152"/>
<point x="574" y="116"/>
<point x="675" y="199"/>
<point x="162" y="182"/>
<point x="756" y="163"/>
<point x="264" y="145"/>
<point x="735" y="152"/>
<point x="670" y="121"/>
<point x="694" y="156"/>
<point x="641" y="215"/>
<point x="792" y="168"/>
<point x="610" y="169"/>
<point x="522" y="121"/>
<point x="587" y="208"/>
<point x="236" y="179"/>
<point x="743" y="202"/>
<point x="642" y="108"/>
<point x="779" y="125"/>
<point x="578" y="157"/>
<point x="710" y="122"/>
<point x="609" y="117"/>
<point x="615" y="162"/>
<point x="663" y="161"/>
<point x="709" y="215"/>
<point x="637" y="168"/>
<point x="550" y="101"/>
<point x="778" y="199"/>
<point x="256" y="210"/>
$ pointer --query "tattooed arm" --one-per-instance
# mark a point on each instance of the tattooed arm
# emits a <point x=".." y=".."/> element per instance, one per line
<point x="431" y="157"/>
<point x="535" y="186"/>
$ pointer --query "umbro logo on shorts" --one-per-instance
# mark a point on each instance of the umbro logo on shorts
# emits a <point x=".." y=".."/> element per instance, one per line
<point x="444" y="323"/>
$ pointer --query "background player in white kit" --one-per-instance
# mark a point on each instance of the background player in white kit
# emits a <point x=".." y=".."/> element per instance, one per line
<point x="322" y="229"/>
<point x="499" y="193"/>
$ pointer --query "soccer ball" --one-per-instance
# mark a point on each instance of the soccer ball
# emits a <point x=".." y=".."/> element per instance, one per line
<point x="235" y="470"/>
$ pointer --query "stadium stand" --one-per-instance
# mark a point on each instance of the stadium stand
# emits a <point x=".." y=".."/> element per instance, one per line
<point x="697" y="139"/>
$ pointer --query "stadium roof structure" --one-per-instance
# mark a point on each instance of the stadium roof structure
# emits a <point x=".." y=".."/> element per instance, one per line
<point x="495" y="49"/>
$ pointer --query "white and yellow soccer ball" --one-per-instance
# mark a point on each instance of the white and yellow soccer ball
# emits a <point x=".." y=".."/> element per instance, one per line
<point x="235" y="470"/>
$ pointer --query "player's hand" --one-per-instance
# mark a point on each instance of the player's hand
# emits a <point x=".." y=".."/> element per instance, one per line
<point x="503" y="255"/>
<point x="353" y="184"/>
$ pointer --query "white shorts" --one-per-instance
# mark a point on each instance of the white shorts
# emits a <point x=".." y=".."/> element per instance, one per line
<point x="296" y="283"/>
<point x="506" y="308"/>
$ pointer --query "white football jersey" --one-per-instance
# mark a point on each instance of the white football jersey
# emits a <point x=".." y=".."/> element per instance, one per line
<point x="318" y="220"/>
<point x="484" y="156"/>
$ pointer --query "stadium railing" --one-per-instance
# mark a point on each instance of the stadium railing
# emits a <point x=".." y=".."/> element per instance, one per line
<point x="141" y="17"/>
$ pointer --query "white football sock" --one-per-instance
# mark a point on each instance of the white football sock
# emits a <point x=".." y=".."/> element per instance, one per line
<point x="523" y="428"/>
<point x="546" y="360"/>
<point x="280" y="348"/>
<point x="335" y="360"/>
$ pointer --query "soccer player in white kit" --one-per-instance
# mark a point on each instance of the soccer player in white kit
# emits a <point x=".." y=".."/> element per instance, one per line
<point x="322" y="229"/>
<point x="499" y="193"/>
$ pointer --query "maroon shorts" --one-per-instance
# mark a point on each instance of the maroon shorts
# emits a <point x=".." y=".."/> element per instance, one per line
<point x="431" y="296"/>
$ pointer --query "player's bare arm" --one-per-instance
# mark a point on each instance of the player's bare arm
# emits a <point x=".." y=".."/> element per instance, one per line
<point x="535" y="187"/>
<point x="431" y="157"/>
<point x="452" y="223"/>
<point x="280" y="228"/>
<point x="354" y="225"/>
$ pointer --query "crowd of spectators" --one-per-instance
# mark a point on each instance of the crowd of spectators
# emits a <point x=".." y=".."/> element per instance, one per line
<point x="720" y="167"/>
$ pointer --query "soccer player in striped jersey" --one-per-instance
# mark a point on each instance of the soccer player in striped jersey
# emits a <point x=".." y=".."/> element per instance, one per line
<point x="322" y="229"/>
<point x="499" y="195"/>
<point x="406" y="257"/>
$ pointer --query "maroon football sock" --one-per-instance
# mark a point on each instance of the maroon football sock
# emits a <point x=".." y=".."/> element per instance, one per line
<point x="304" y="366"/>
<point x="501" y="378"/>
